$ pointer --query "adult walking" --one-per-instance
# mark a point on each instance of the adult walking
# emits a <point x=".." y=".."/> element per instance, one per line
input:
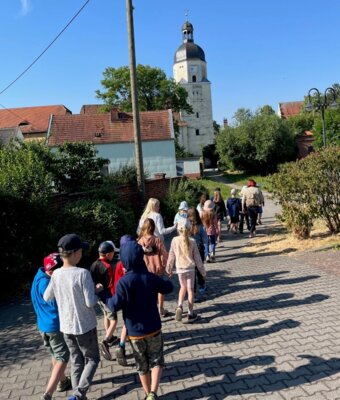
<point x="152" y="211"/>
<point x="252" y="199"/>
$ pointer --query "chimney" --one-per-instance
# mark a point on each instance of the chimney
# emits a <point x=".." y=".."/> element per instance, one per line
<point x="225" y="122"/>
<point x="114" y="114"/>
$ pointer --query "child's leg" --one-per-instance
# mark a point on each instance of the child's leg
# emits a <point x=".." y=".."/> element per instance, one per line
<point x="88" y="345"/>
<point x="120" y="351"/>
<point x="57" y="375"/>
<point x="213" y="244"/>
<point x="156" y="374"/>
<point x="190" y="289"/>
<point x="145" y="380"/>
<point x="106" y="324"/>
<point x="76" y="357"/>
<point x="111" y="328"/>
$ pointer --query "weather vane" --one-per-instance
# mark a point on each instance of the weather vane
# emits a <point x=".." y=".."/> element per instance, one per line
<point x="187" y="14"/>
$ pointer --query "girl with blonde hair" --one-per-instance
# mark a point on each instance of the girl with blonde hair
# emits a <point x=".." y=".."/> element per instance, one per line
<point x="155" y="256"/>
<point x="152" y="211"/>
<point x="185" y="255"/>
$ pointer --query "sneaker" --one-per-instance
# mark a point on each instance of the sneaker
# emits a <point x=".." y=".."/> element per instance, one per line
<point x="46" y="396"/>
<point x="207" y="258"/>
<point x="121" y="356"/>
<point x="105" y="350"/>
<point x="64" y="385"/>
<point x="212" y="257"/>
<point x="179" y="311"/>
<point x="192" y="317"/>
<point x="152" y="396"/>
<point x="113" y="341"/>
<point x="163" y="312"/>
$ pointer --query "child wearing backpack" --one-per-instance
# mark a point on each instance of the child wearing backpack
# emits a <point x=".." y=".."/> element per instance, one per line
<point x="155" y="255"/>
<point x="210" y="224"/>
<point x="252" y="200"/>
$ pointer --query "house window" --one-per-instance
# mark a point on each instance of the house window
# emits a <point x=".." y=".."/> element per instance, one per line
<point x="197" y="132"/>
<point x="194" y="78"/>
<point x="197" y="115"/>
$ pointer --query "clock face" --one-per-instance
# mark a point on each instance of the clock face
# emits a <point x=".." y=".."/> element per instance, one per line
<point x="193" y="69"/>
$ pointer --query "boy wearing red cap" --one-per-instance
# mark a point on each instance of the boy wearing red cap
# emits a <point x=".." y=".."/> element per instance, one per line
<point x="48" y="325"/>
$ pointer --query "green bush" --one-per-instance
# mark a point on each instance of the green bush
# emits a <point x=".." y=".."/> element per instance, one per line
<point x="180" y="190"/>
<point x="309" y="189"/>
<point x="95" y="220"/>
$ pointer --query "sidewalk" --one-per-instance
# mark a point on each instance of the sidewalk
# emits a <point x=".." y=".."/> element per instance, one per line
<point x="269" y="328"/>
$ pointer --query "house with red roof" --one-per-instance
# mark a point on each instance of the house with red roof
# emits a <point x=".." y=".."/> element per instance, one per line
<point x="32" y="121"/>
<point x="304" y="140"/>
<point x="112" y="134"/>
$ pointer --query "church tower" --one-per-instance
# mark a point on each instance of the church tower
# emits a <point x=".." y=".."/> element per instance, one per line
<point x="190" y="71"/>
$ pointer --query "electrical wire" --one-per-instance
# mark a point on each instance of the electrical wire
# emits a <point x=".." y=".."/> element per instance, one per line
<point x="44" y="51"/>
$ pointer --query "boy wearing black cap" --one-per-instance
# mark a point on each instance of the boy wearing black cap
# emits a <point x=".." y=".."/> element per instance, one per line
<point x="106" y="272"/>
<point x="49" y="327"/>
<point x="74" y="291"/>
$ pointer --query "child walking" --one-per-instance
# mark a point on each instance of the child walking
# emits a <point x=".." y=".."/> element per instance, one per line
<point x="137" y="295"/>
<point x="106" y="272"/>
<point x="49" y="327"/>
<point x="184" y="253"/>
<point x="210" y="223"/>
<point x="74" y="291"/>
<point x="155" y="255"/>
<point x="198" y="233"/>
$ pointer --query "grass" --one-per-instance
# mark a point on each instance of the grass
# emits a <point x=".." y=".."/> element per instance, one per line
<point x="240" y="178"/>
<point x="286" y="243"/>
<point x="211" y="185"/>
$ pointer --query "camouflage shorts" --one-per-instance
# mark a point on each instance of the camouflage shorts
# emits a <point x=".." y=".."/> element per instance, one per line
<point x="148" y="353"/>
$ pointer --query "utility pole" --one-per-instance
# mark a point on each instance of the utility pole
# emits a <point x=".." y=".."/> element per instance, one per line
<point x="134" y="99"/>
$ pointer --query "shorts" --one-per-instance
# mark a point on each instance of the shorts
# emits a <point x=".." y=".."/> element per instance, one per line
<point x="112" y="316"/>
<point x="148" y="353"/>
<point x="56" y="344"/>
<point x="187" y="279"/>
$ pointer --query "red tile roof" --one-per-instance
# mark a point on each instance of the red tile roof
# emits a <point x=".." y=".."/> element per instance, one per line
<point x="30" y="119"/>
<point x="114" y="127"/>
<point x="290" y="109"/>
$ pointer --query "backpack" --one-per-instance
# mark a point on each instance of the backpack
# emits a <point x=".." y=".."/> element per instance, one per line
<point x="253" y="199"/>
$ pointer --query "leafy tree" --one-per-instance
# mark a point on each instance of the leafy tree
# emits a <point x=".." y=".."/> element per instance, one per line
<point x="258" y="143"/>
<point x="265" y="110"/>
<point x="332" y="131"/>
<point x="76" y="167"/>
<point x="242" y="115"/>
<point x="155" y="90"/>
<point x="23" y="173"/>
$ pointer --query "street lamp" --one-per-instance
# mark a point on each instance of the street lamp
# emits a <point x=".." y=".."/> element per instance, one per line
<point x="321" y="104"/>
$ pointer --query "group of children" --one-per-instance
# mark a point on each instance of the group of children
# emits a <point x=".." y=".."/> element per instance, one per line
<point x="64" y="295"/>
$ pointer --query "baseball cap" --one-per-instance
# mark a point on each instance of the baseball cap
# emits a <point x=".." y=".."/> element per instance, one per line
<point x="52" y="262"/>
<point x="71" y="242"/>
<point x="106" y="247"/>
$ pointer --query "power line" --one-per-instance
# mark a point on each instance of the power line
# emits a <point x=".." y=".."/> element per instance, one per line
<point x="44" y="51"/>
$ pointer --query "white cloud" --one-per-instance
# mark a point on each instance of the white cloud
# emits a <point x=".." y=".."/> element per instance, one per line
<point x="25" y="7"/>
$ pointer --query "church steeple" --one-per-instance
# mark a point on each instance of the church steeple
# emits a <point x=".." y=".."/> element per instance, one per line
<point x="188" y="32"/>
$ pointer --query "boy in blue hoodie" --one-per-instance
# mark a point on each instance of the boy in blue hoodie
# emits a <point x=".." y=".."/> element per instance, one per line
<point x="49" y="327"/>
<point x="137" y="294"/>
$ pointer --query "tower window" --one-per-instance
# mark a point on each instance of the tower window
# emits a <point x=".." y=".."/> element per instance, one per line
<point x="197" y="132"/>
<point x="194" y="78"/>
<point x="197" y="115"/>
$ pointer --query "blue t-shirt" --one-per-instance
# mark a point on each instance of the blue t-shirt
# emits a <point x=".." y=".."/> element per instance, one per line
<point x="47" y="312"/>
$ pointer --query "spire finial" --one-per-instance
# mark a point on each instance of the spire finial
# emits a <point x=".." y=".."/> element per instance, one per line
<point x="187" y="14"/>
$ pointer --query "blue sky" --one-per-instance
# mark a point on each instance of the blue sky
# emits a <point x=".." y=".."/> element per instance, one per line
<point x="258" y="52"/>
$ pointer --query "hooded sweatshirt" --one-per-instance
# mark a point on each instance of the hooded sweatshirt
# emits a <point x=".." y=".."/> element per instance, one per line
<point x="46" y="311"/>
<point x="234" y="206"/>
<point x="137" y="293"/>
<point x="155" y="254"/>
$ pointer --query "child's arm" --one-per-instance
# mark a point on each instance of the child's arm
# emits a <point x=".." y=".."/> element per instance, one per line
<point x="116" y="302"/>
<point x="160" y="225"/>
<point x="171" y="259"/>
<point x="49" y="292"/>
<point x="163" y="254"/>
<point x="89" y="290"/>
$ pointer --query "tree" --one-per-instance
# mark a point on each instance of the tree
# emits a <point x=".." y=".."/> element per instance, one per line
<point x="258" y="143"/>
<point x="242" y="115"/>
<point x="76" y="167"/>
<point x="155" y="90"/>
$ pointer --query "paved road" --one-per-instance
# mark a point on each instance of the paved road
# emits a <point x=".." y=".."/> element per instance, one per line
<point x="269" y="328"/>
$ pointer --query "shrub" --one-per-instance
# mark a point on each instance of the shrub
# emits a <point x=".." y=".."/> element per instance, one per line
<point x="95" y="220"/>
<point x="180" y="190"/>
<point x="309" y="189"/>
